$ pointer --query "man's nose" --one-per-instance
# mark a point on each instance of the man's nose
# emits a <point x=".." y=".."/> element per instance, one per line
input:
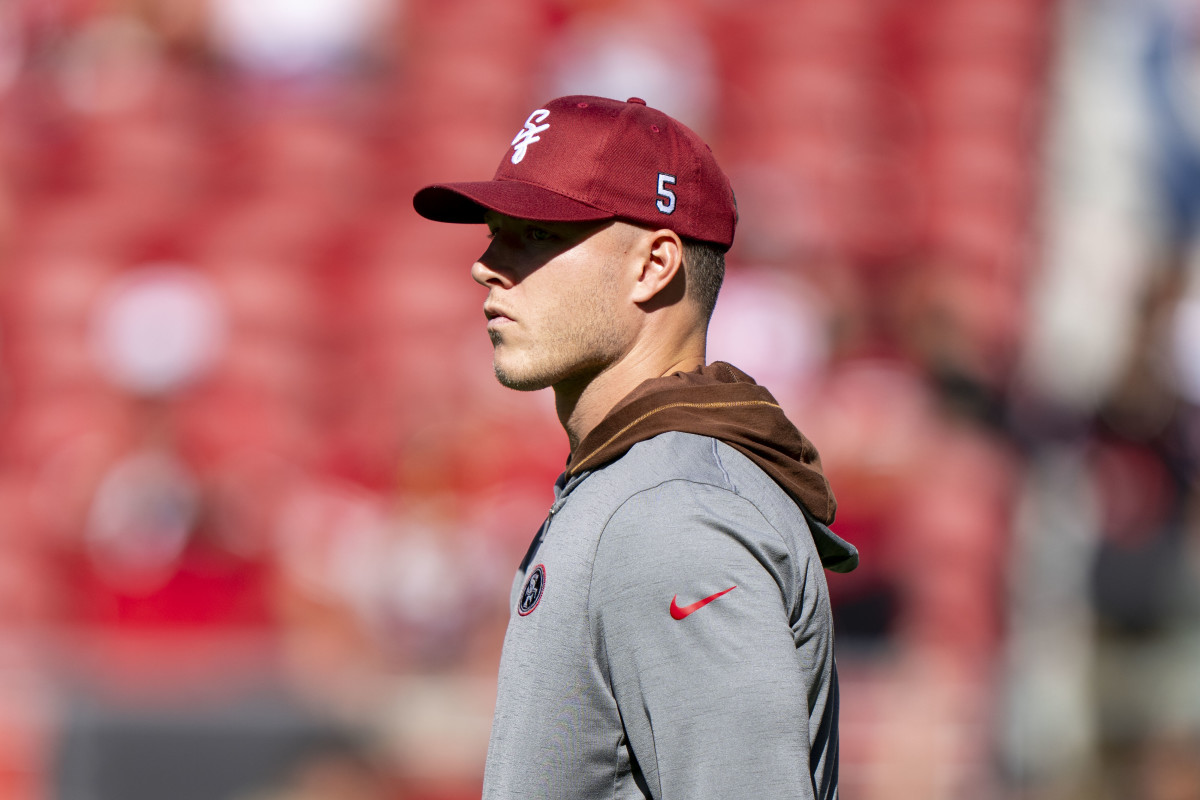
<point x="486" y="275"/>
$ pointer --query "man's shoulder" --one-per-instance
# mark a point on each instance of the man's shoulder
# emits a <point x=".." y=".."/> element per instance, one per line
<point x="678" y="457"/>
<point x="683" y="501"/>
<point x="673" y="455"/>
<point x="651" y="465"/>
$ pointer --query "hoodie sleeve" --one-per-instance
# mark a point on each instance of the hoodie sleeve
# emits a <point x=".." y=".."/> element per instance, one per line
<point x="715" y="644"/>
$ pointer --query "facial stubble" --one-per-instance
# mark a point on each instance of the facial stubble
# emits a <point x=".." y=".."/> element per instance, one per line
<point x="577" y="339"/>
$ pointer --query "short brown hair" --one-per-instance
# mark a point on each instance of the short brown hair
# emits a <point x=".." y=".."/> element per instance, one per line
<point x="704" y="271"/>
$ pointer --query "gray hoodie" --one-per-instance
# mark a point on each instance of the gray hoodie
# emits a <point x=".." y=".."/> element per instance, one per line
<point x="671" y="633"/>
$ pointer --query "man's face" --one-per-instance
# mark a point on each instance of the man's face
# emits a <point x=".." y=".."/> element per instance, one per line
<point x="554" y="303"/>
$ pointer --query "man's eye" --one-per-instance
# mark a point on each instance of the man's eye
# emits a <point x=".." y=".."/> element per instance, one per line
<point x="540" y="234"/>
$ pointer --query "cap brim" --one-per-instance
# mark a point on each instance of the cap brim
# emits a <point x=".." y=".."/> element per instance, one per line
<point x="467" y="202"/>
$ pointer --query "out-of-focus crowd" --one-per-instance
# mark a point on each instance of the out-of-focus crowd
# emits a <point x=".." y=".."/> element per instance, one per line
<point x="261" y="498"/>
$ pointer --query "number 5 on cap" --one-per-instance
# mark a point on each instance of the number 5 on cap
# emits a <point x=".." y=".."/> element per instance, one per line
<point x="667" y="204"/>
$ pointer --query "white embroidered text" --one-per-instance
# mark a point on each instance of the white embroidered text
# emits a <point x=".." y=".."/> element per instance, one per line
<point x="529" y="134"/>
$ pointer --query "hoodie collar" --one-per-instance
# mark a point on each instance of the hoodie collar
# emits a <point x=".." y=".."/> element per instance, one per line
<point x="725" y="403"/>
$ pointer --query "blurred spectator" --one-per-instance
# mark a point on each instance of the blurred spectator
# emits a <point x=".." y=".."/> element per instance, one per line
<point x="159" y="329"/>
<point x="1167" y="767"/>
<point x="617" y="49"/>
<point x="282" y="40"/>
<point x="1145" y="575"/>
<point x="1111" y="597"/>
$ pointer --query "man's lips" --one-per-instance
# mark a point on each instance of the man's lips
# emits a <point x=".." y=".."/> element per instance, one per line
<point x="496" y="316"/>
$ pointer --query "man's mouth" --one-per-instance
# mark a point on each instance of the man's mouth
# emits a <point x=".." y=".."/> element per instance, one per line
<point x="496" y="316"/>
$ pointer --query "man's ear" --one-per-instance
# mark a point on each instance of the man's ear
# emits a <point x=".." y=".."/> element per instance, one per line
<point x="661" y="277"/>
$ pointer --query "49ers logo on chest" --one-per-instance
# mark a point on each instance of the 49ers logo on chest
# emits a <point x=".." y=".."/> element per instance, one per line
<point x="531" y="593"/>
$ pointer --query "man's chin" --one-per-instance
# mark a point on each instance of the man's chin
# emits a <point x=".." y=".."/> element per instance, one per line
<point x="522" y="383"/>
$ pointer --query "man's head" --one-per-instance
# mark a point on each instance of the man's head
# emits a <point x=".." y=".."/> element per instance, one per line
<point x="599" y="210"/>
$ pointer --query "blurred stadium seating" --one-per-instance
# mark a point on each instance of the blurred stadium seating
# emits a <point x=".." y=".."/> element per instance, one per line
<point x="280" y="517"/>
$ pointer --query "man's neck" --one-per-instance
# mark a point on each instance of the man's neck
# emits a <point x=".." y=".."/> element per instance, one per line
<point x="581" y="407"/>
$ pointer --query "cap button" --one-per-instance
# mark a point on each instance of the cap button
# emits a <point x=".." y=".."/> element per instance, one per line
<point x="637" y="100"/>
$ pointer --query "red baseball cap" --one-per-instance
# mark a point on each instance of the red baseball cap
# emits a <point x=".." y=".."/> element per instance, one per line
<point x="585" y="158"/>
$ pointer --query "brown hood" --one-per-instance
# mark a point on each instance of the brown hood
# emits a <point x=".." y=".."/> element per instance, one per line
<point x="723" y="402"/>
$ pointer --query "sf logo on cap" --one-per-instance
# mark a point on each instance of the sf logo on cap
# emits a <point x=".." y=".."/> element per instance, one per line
<point x="529" y="134"/>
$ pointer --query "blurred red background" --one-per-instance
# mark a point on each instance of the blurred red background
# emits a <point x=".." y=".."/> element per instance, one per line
<point x="261" y="498"/>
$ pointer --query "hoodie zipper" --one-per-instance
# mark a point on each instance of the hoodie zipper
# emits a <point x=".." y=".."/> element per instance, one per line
<point x="540" y="536"/>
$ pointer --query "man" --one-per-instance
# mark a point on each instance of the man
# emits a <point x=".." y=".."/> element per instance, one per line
<point x="671" y="634"/>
